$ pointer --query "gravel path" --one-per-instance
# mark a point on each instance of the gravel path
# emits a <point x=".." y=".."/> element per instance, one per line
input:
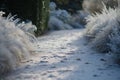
<point x="63" y="55"/>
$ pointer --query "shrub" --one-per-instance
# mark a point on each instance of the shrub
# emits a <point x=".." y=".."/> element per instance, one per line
<point x="57" y="24"/>
<point x="61" y="19"/>
<point x="58" y="18"/>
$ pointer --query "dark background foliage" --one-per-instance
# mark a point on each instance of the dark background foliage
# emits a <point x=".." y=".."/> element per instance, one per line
<point x="69" y="5"/>
<point x="20" y="7"/>
<point x="35" y="11"/>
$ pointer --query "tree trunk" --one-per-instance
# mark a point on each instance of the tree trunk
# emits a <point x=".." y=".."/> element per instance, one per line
<point x="42" y="16"/>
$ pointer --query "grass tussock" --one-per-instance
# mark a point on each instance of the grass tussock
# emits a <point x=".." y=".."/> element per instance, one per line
<point x="15" y="43"/>
<point x="103" y="31"/>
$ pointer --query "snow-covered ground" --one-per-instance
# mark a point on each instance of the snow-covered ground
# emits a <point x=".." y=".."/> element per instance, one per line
<point x="63" y="55"/>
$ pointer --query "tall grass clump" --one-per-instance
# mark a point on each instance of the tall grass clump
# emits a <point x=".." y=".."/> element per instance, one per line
<point x="103" y="31"/>
<point x="15" y="43"/>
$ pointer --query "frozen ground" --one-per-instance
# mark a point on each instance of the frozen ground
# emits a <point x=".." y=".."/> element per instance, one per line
<point x="63" y="55"/>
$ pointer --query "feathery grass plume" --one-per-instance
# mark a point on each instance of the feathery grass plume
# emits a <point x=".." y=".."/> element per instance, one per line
<point x="15" y="45"/>
<point x="100" y="26"/>
<point x="94" y="6"/>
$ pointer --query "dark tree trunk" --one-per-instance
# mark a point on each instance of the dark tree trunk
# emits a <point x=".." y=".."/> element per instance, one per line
<point x="42" y="16"/>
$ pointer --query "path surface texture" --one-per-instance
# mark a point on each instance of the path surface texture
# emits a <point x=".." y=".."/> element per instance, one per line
<point x="63" y="55"/>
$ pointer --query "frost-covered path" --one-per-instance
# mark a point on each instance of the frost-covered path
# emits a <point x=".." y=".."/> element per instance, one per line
<point x="62" y="55"/>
